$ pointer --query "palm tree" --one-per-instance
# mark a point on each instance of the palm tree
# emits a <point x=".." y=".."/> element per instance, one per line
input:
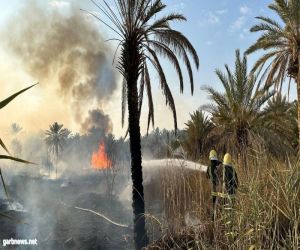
<point x="237" y="112"/>
<point x="281" y="41"/>
<point x="198" y="134"/>
<point x="9" y="157"/>
<point x="55" y="139"/>
<point x="142" y="37"/>
<point x="281" y="130"/>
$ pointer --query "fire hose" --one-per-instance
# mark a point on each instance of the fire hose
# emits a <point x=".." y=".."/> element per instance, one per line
<point x="101" y="215"/>
<point x="96" y="213"/>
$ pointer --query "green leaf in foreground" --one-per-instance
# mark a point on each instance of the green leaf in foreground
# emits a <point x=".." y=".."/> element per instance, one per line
<point x="3" y="183"/>
<point x="7" y="157"/>
<point x="9" y="99"/>
<point x="3" y="146"/>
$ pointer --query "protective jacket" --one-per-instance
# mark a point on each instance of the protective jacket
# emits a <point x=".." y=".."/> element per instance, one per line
<point x="211" y="171"/>
<point x="231" y="180"/>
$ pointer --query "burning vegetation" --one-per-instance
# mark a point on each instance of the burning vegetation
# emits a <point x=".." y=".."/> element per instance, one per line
<point x="100" y="159"/>
<point x="86" y="209"/>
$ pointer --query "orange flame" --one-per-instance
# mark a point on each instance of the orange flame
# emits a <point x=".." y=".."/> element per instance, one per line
<point x="100" y="159"/>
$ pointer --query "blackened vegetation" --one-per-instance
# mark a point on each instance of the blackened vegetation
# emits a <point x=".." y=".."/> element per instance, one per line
<point x="52" y="219"/>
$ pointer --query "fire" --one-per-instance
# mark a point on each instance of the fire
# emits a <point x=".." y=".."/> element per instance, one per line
<point x="100" y="159"/>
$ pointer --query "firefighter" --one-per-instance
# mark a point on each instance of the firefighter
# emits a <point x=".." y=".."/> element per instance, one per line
<point x="211" y="173"/>
<point x="230" y="178"/>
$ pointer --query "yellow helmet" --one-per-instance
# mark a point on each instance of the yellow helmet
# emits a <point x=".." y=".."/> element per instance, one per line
<point x="227" y="160"/>
<point x="213" y="155"/>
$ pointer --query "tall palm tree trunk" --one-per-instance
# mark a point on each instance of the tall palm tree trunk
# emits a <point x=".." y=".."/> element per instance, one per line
<point x="56" y="160"/>
<point x="242" y="148"/>
<point x="138" y="204"/>
<point x="298" y="96"/>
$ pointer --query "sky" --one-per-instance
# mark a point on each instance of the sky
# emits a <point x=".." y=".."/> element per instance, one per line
<point x="216" y="28"/>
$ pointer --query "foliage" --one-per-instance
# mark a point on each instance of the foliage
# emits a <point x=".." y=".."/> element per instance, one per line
<point x="264" y="215"/>
<point x="199" y="137"/>
<point x="160" y="143"/>
<point x="142" y="37"/>
<point x="136" y="25"/>
<point x="55" y="139"/>
<point x="237" y="113"/>
<point x="9" y="157"/>
<point x="280" y="130"/>
<point x="280" y="43"/>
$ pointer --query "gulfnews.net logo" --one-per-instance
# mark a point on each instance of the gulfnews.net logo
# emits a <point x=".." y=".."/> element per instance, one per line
<point x="19" y="242"/>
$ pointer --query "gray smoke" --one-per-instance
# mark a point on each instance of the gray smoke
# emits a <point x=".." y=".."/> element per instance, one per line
<point x="66" y="49"/>
<point x="97" y="121"/>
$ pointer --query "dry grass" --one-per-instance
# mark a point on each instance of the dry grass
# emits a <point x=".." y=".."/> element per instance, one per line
<point x="265" y="214"/>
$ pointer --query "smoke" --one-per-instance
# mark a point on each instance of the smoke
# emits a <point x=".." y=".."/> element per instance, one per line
<point x="97" y="121"/>
<point x="64" y="49"/>
<point x="16" y="147"/>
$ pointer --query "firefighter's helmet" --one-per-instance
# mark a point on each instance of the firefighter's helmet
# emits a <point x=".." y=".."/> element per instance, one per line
<point x="213" y="155"/>
<point x="227" y="160"/>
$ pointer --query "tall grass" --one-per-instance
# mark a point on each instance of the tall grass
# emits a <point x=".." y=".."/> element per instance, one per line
<point x="264" y="215"/>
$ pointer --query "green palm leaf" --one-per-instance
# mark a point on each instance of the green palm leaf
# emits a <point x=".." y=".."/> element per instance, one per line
<point x="279" y="43"/>
<point x="144" y="36"/>
<point x="3" y="146"/>
<point x="7" y="157"/>
<point x="9" y="99"/>
<point x="237" y="112"/>
<point x="3" y="183"/>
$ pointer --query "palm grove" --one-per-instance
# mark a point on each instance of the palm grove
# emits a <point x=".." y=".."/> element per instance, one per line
<point x="240" y="117"/>
<point x="247" y="116"/>
<point x="251" y="111"/>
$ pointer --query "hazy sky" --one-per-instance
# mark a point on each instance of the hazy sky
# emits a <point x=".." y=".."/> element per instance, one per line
<point x="216" y="28"/>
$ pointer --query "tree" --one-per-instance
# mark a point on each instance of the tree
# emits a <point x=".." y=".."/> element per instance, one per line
<point x="16" y="147"/>
<point x="142" y="37"/>
<point x="9" y="157"/>
<point x="237" y="113"/>
<point x="198" y="134"/>
<point x="15" y="128"/>
<point x="281" y="43"/>
<point x="280" y="127"/>
<point x="55" y="139"/>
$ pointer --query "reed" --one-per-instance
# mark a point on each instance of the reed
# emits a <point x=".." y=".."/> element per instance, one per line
<point x="264" y="214"/>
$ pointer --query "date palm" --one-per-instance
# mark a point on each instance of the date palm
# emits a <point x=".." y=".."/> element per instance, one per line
<point x="281" y="130"/>
<point x="143" y="36"/>
<point x="198" y="134"/>
<point x="281" y="45"/>
<point x="55" y="139"/>
<point x="238" y="111"/>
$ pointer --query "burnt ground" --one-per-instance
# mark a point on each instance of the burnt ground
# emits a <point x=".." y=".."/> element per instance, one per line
<point x="51" y="218"/>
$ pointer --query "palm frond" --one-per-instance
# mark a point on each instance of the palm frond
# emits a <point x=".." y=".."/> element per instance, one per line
<point x="3" y="146"/>
<point x="7" y="157"/>
<point x="124" y="100"/>
<point x="150" y="99"/>
<point x="3" y="184"/>
<point x="9" y="99"/>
